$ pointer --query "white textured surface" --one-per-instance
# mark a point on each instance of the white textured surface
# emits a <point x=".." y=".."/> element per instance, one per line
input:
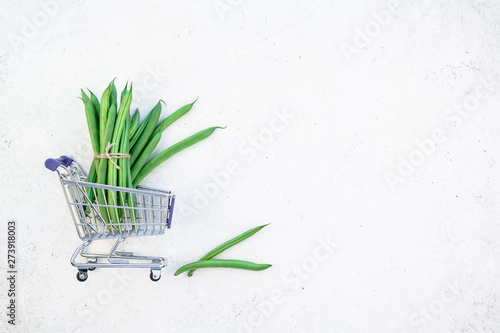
<point x="421" y="257"/>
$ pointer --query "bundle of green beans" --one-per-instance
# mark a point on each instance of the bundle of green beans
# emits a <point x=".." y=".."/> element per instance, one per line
<point x="128" y="142"/>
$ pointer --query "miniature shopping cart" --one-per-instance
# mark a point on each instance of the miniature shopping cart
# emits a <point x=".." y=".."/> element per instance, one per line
<point x="105" y="212"/>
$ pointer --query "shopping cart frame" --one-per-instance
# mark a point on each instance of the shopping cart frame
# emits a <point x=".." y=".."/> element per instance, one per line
<point x="150" y="215"/>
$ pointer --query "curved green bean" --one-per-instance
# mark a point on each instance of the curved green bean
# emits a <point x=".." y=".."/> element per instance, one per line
<point x="221" y="248"/>
<point x="172" y="118"/>
<point x="171" y="151"/>
<point x="239" y="264"/>
<point x="139" y="161"/>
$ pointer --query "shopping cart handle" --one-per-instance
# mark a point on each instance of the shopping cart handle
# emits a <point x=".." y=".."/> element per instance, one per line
<point x="53" y="163"/>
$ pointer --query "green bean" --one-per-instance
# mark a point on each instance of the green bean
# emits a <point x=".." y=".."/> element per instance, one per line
<point x="117" y="132"/>
<point x="127" y="177"/>
<point x="221" y="248"/>
<point x="95" y="103"/>
<point x="146" y="153"/>
<point x="92" y="122"/>
<point x="112" y="195"/>
<point x="124" y="91"/>
<point x="103" y="163"/>
<point x="171" y="151"/>
<point x="107" y="111"/>
<point x="93" y="126"/>
<point x="122" y="163"/>
<point x="134" y="123"/>
<point x="123" y="111"/>
<point x="130" y="196"/>
<point x="108" y="133"/>
<point x="159" y="129"/>
<point x="124" y="143"/>
<point x="103" y="116"/>
<point x="146" y="134"/>
<point x="140" y="129"/>
<point x="173" y="117"/>
<point x="240" y="264"/>
<point x="112" y="96"/>
<point x="110" y="125"/>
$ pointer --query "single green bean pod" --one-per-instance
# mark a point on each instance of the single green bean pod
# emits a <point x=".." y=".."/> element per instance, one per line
<point x="110" y="124"/>
<point x="124" y="91"/>
<point x="95" y="103"/>
<point x="171" y="151"/>
<point x="124" y="144"/>
<point x="102" y="168"/>
<point x="113" y="100"/>
<point x="108" y="134"/>
<point x="123" y="164"/>
<point x="103" y="115"/>
<point x="172" y="118"/>
<point x="117" y="133"/>
<point x="239" y="264"/>
<point x="123" y="112"/>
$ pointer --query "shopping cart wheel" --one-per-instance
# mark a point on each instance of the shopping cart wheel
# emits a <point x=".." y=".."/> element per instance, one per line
<point x="155" y="275"/>
<point x="82" y="275"/>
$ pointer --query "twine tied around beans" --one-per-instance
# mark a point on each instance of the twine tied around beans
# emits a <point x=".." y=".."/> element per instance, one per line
<point x="110" y="156"/>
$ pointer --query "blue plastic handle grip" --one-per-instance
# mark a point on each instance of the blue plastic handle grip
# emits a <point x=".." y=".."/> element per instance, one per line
<point x="171" y="210"/>
<point x="53" y="163"/>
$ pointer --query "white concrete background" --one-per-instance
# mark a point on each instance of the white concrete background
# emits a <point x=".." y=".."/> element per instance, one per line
<point x="367" y="85"/>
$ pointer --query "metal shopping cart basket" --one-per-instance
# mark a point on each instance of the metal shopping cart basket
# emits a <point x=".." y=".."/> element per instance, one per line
<point x="105" y="212"/>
